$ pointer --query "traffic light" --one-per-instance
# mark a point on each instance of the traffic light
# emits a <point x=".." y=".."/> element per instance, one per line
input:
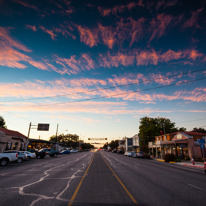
<point x="60" y="137"/>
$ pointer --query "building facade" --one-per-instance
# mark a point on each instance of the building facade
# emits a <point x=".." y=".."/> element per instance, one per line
<point x="135" y="142"/>
<point x="11" y="140"/>
<point x="181" y="144"/>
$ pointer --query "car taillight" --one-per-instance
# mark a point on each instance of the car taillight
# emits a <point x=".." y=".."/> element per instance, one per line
<point x="45" y="153"/>
<point x="16" y="154"/>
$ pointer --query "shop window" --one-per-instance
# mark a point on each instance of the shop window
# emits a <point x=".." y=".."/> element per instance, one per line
<point x="9" y="145"/>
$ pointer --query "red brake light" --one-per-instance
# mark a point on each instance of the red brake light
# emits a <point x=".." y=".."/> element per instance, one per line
<point x="45" y="153"/>
<point x="16" y="154"/>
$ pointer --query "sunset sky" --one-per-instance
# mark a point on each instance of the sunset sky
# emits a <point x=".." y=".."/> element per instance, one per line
<point x="97" y="67"/>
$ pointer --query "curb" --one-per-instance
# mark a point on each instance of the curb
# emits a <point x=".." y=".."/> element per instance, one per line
<point x="194" y="166"/>
<point x="164" y="161"/>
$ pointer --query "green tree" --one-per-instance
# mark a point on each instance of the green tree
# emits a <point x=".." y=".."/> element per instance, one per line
<point x="200" y="130"/>
<point x="151" y="127"/>
<point x="2" y="122"/>
<point x="114" y="144"/>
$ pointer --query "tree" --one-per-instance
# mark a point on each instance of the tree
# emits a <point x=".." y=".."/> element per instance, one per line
<point x="114" y="144"/>
<point x="70" y="140"/>
<point x="2" y="122"/>
<point x="200" y="130"/>
<point x="151" y="127"/>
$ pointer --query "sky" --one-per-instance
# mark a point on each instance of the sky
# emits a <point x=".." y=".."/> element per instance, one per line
<point x="96" y="67"/>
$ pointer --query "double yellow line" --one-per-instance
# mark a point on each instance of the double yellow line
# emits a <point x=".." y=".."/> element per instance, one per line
<point x="80" y="183"/>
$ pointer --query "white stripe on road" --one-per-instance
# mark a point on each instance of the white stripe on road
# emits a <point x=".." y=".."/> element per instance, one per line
<point x="197" y="187"/>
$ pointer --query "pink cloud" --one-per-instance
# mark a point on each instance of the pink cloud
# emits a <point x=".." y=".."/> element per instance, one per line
<point x="119" y="8"/>
<point x="88" y="36"/>
<point x="33" y="28"/>
<point x="158" y="26"/>
<point x="50" y="32"/>
<point x="192" y="22"/>
<point x="11" y="57"/>
<point x="160" y="79"/>
<point x="26" y="4"/>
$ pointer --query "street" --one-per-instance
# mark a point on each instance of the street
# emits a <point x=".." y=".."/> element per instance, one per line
<point x="99" y="178"/>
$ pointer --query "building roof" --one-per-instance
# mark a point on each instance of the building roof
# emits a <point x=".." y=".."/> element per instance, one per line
<point x="11" y="132"/>
<point x="192" y="133"/>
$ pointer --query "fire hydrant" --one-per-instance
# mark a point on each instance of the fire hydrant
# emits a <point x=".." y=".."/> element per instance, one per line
<point x="193" y="161"/>
<point x="205" y="167"/>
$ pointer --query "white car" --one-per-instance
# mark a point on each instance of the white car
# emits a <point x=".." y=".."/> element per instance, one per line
<point x="5" y="158"/>
<point x="74" y="150"/>
<point x="30" y="155"/>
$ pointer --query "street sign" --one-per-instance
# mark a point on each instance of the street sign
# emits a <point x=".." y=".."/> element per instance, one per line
<point x="202" y="146"/>
<point x="201" y="141"/>
<point x="96" y="139"/>
<point x="43" y="127"/>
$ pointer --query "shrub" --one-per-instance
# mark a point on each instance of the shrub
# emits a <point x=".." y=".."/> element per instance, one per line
<point x="187" y="158"/>
<point x="177" y="160"/>
<point x="169" y="157"/>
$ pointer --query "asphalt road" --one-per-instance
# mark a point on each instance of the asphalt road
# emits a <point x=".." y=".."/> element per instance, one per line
<point x="100" y="178"/>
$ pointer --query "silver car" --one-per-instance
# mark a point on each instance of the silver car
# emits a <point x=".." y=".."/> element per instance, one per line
<point x="29" y="155"/>
<point x="21" y="157"/>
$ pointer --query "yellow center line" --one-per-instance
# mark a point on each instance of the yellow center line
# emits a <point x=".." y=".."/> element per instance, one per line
<point x="80" y="183"/>
<point x="127" y="191"/>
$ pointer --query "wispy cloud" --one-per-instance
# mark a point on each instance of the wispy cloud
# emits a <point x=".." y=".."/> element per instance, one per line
<point x="26" y="4"/>
<point x="11" y="57"/>
<point x="33" y="28"/>
<point x="192" y="21"/>
<point x="50" y="32"/>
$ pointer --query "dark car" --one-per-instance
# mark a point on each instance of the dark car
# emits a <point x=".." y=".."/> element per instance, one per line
<point x="141" y="155"/>
<point x="40" y="154"/>
<point x="114" y="151"/>
<point x="120" y="152"/>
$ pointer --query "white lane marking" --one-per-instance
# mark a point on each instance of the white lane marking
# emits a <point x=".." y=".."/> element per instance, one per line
<point x="196" y="187"/>
<point x="21" y="192"/>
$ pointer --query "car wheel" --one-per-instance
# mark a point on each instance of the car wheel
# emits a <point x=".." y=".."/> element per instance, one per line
<point x="28" y="158"/>
<point x="20" y="160"/>
<point x="4" y="162"/>
<point x="55" y="155"/>
<point x="38" y="156"/>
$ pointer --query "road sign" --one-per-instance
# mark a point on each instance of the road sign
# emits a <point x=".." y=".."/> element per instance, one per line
<point x="201" y="141"/>
<point x="43" y="127"/>
<point x="96" y="139"/>
<point x="202" y="146"/>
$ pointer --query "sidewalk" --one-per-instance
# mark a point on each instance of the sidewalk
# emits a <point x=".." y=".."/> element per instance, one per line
<point x="185" y="163"/>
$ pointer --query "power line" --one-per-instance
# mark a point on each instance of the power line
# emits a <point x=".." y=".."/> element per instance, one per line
<point x="112" y="87"/>
<point x="107" y="96"/>
<point x="191" y="120"/>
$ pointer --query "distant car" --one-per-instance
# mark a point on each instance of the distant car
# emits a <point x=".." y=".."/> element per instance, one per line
<point x="120" y="152"/>
<point x="46" y="150"/>
<point x="33" y="150"/>
<point x="130" y="154"/>
<point x="126" y="153"/>
<point x="142" y="155"/>
<point x="114" y="151"/>
<point x="30" y="155"/>
<point x="65" y="152"/>
<point x="74" y="151"/>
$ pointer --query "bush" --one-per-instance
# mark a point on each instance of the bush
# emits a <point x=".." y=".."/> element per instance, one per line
<point x="177" y="160"/>
<point x="187" y="158"/>
<point x="169" y="157"/>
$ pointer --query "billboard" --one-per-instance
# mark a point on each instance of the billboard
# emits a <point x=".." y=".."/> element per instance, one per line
<point x="97" y="139"/>
<point x="43" y="127"/>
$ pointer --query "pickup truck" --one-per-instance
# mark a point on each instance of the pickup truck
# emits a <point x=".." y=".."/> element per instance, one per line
<point x="7" y="157"/>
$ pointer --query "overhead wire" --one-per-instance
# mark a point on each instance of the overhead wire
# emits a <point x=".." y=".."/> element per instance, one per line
<point x="112" y="87"/>
<point x="108" y="96"/>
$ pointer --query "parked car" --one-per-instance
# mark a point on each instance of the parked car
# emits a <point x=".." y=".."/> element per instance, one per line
<point x="125" y="153"/>
<point x="46" y="150"/>
<point x="33" y="150"/>
<point x="114" y="151"/>
<point x="130" y="154"/>
<point x="74" y="151"/>
<point x="30" y="155"/>
<point x="142" y="155"/>
<point x="21" y="156"/>
<point x="120" y="152"/>
<point x="65" y="152"/>
<point x="40" y="154"/>
<point x="7" y="157"/>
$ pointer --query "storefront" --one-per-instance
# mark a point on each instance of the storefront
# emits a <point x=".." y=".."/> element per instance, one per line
<point x="38" y="144"/>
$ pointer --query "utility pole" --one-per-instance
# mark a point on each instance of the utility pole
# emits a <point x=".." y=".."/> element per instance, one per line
<point x="57" y="136"/>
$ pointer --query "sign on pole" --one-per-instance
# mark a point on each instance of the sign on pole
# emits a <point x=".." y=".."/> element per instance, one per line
<point x="201" y="141"/>
<point x="96" y="139"/>
<point x="43" y="127"/>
